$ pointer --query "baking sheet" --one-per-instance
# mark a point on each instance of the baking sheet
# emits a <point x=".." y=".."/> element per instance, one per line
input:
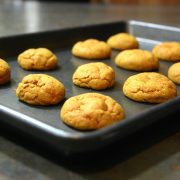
<point x="44" y="123"/>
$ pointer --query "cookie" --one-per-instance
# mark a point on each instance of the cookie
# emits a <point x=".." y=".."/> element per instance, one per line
<point x="5" y="72"/>
<point x="94" y="75"/>
<point x="40" y="89"/>
<point x="174" y="72"/>
<point x="137" y="60"/>
<point x="149" y="87"/>
<point x="91" y="111"/>
<point x="123" y="41"/>
<point x="91" y="49"/>
<point x="37" y="59"/>
<point x="167" y="51"/>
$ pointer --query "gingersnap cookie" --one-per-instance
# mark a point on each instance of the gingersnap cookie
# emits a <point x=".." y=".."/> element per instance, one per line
<point x="137" y="60"/>
<point x="167" y="51"/>
<point x="149" y="87"/>
<point x="37" y="59"/>
<point x="94" y="75"/>
<point x="91" y="49"/>
<point x="174" y="72"/>
<point x="91" y="111"/>
<point x="5" y="72"/>
<point x="123" y="41"/>
<point x="40" y="89"/>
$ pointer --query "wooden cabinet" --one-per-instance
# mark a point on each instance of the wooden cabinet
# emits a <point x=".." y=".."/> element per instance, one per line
<point x="142" y="2"/>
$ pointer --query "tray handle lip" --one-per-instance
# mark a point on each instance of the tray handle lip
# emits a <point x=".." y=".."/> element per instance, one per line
<point x="103" y="133"/>
<point x="154" y="25"/>
<point x="31" y="121"/>
<point x="145" y="115"/>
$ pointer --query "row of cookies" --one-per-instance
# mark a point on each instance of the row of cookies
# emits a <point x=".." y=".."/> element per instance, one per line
<point x="96" y="49"/>
<point x="130" y="57"/>
<point x="149" y="87"/>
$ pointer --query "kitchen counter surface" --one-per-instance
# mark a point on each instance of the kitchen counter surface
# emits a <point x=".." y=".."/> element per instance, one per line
<point x="151" y="153"/>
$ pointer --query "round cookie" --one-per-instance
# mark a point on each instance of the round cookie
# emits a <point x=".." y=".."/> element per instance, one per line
<point x="174" y="73"/>
<point x="91" y="111"/>
<point x="37" y="59"/>
<point x="40" y="89"/>
<point x="94" y="75"/>
<point x="137" y="60"/>
<point x="167" y="51"/>
<point x="91" y="49"/>
<point x="5" y="72"/>
<point x="123" y="41"/>
<point x="149" y="87"/>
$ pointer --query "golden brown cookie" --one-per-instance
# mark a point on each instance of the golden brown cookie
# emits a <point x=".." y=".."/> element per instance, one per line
<point x="40" y="89"/>
<point x="123" y="41"/>
<point x="91" y="49"/>
<point x="91" y="111"/>
<point x="94" y="75"/>
<point x="137" y="60"/>
<point x="37" y="59"/>
<point x="174" y="73"/>
<point x="167" y="51"/>
<point x="5" y="72"/>
<point x="149" y="87"/>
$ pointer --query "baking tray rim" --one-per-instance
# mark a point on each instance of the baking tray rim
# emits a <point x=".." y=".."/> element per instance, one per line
<point x="101" y="132"/>
<point x="104" y="132"/>
<point x="128" y="22"/>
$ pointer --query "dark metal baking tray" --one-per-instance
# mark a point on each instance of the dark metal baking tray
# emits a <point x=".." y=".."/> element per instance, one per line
<point x="43" y="123"/>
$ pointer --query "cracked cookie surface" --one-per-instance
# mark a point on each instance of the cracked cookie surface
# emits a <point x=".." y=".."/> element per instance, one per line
<point x="40" y="89"/>
<point x="91" y="111"/>
<point x="174" y="72"/>
<point x="167" y="51"/>
<point x="94" y="75"/>
<point x="123" y="41"/>
<point x="91" y="49"/>
<point x="137" y="60"/>
<point x="37" y="59"/>
<point x="149" y="87"/>
<point x="5" y="72"/>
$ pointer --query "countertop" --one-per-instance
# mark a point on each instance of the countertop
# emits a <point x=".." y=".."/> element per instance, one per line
<point x="151" y="153"/>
